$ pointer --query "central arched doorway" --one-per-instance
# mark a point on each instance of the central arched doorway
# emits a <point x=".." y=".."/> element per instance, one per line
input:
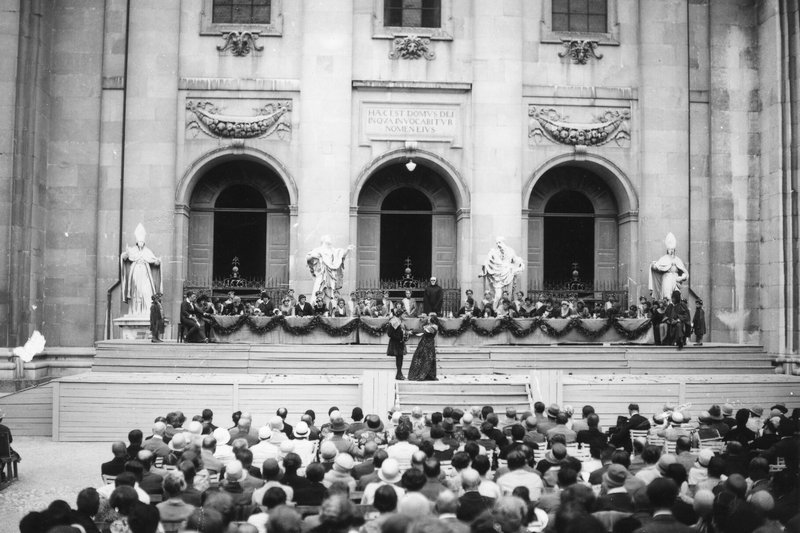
<point x="573" y="226"/>
<point x="239" y="215"/>
<point x="402" y="215"/>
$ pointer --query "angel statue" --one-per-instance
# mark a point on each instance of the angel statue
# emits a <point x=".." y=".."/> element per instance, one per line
<point x="668" y="273"/>
<point x="326" y="264"/>
<point x="501" y="268"/>
<point x="141" y="275"/>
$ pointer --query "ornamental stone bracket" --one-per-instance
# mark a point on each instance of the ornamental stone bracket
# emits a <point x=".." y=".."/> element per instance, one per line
<point x="272" y="119"/>
<point x="412" y="47"/>
<point x="240" y="43"/>
<point x="610" y="125"/>
<point x="580" y="50"/>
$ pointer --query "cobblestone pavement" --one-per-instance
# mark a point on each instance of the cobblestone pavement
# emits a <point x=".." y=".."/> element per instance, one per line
<point x="50" y="471"/>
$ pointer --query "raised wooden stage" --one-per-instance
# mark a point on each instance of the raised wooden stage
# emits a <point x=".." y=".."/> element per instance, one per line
<point x="131" y="382"/>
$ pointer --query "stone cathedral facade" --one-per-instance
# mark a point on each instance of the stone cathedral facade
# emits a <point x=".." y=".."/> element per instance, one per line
<point x="582" y="131"/>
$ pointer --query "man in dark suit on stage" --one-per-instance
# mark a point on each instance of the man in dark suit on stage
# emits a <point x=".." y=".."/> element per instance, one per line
<point x="433" y="298"/>
<point x="193" y="330"/>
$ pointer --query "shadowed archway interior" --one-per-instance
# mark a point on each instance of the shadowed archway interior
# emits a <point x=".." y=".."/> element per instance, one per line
<point x="568" y="237"/>
<point x="239" y="208"/>
<point x="406" y="214"/>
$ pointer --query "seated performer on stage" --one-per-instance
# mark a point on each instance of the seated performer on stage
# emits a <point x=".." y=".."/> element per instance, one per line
<point x="303" y="308"/>
<point x="193" y="329"/>
<point x="409" y="306"/>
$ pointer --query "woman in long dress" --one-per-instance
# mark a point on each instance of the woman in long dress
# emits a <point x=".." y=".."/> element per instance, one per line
<point x="423" y="364"/>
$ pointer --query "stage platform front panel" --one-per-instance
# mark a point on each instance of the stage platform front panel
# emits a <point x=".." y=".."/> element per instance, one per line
<point x="452" y="331"/>
<point x="142" y="356"/>
<point x="106" y="405"/>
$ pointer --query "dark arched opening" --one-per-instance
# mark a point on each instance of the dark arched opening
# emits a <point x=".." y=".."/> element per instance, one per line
<point x="405" y="233"/>
<point x="240" y="232"/>
<point x="568" y="237"/>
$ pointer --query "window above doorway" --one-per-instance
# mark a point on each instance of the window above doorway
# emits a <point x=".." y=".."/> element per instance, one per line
<point x="264" y="17"/>
<point x="425" y="18"/>
<point x="595" y="20"/>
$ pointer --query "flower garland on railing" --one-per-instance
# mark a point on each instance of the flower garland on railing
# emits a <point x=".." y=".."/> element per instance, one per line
<point x="467" y="323"/>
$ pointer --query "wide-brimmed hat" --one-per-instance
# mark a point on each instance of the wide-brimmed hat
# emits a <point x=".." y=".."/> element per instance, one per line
<point x="343" y="463"/>
<point x="390" y="471"/>
<point x="553" y="410"/>
<point x="615" y="476"/>
<point x="264" y="433"/>
<point x="276" y="423"/>
<point x="727" y="409"/>
<point x="757" y="411"/>
<point x="328" y="450"/>
<point x="780" y="406"/>
<point x="177" y="443"/>
<point x="677" y="417"/>
<point x="715" y="412"/>
<point x="704" y="457"/>
<point x="705" y="417"/>
<point x="338" y="424"/>
<point x="301" y="430"/>
<point x="374" y="423"/>
<point x="664" y="461"/>
<point x="222" y="435"/>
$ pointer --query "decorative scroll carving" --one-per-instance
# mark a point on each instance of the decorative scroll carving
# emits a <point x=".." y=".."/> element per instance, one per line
<point x="272" y="118"/>
<point x="412" y="47"/>
<point x="611" y="125"/>
<point x="580" y="50"/>
<point x="240" y="43"/>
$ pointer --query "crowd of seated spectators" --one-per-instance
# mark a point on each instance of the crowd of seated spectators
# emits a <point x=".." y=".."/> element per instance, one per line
<point x="450" y="471"/>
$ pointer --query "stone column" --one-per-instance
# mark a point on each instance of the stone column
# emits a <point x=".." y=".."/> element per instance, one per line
<point x="663" y="103"/>
<point x="325" y="175"/>
<point x="735" y="179"/>
<point x="9" y="40"/>
<point x="497" y="134"/>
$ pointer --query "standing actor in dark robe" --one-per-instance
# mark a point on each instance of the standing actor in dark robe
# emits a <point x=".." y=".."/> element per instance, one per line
<point x="156" y="319"/>
<point x="397" y="342"/>
<point x="699" y="322"/>
<point x="193" y="330"/>
<point x="433" y="298"/>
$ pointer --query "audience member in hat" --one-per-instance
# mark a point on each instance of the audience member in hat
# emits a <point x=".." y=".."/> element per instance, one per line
<point x="561" y="429"/>
<point x="173" y="508"/>
<point x="342" y="465"/>
<point x="389" y="474"/>
<point x="614" y="496"/>
<point x="377" y="460"/>
<point x="741" y="431"/>
<point x="718" y="420"/>
<point x="327" y="453"/>
<point x="714" y="471"/>
<point x="705" y="430"/>
<point x="232" y="484"/>
<point x="699" y="472"/>
<point x="344" y="443"/>
<point x="305" y="448"/>
<point x="366" y="466"/>
<point x="374" y="431"/>
<point x="550" y="420"/>
<point x="223" y="450"/>
<point x="265" y="449"/>
<point x="277" y="427"/>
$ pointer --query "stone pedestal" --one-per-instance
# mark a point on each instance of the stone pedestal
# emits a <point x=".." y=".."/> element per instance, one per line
<point x="138" y="328"/>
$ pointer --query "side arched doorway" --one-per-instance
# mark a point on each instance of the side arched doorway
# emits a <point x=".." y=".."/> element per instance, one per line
<point x="406" y="214"/>
<point x="239" y="209"/>
<point x="573" y="224"/>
